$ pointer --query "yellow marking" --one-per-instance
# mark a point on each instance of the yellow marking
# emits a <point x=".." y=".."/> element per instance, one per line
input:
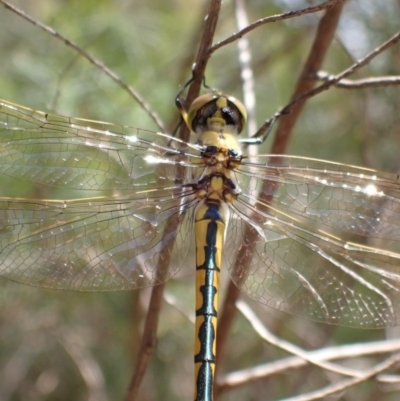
<point x="200" y="256"/>
<point x="201" y="211"/>
<point x="221" y="102"/>
<point x="199" y="321"/>
<point x="217" y="183"/>
<point x="201" y="194"/>
<point x="200" y="280"/>
<point x="201" y="238"/>
<point x="214" y="322"/>
<point x="221" y="141"/>
<point x="229" y="197"/>
<point x="214" y="196"/>
<point x="197" y="344"/>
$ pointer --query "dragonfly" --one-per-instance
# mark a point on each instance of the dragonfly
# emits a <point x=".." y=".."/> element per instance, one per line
<point x="94" y="206"/>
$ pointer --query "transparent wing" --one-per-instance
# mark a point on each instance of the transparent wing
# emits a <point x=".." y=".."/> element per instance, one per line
<point x="76" y="154"/>
<point x="318" y="239"/>
<point x="86" y="205"/>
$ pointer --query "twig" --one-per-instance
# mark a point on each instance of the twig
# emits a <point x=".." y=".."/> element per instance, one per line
<point x="323" y="38"/>
<point x="354" y="67"/>
<point x="203" y="56"/>
<point x="274" y="18"/>
<point x="345" y="384"/>
<point x="246" y="71"/>
<point x="244" y="376"/>
<point x="372" y="82"/>
<point x="93" y="60"/>
<point x="265" y="334"/>
<point x="148" y="342"/>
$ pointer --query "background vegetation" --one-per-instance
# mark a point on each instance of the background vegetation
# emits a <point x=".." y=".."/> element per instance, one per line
<point x="57" y="345"/>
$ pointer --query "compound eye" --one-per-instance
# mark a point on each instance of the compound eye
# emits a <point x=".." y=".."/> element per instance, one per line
<point x="206" y="106"/>
<point x="233" y="153"/>
<point x="210" y="150"/>
<point x="197" y="105"/>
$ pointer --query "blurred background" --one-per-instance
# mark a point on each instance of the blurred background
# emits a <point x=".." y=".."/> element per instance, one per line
<point x="57" y="345"/>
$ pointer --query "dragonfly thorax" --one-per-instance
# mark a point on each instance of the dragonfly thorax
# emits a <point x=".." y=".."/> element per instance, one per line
<point x="217" y="187"/>
<point x="220" y="150"/>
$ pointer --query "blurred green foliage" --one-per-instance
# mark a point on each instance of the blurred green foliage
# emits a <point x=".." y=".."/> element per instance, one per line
<point x="58" y="345"/>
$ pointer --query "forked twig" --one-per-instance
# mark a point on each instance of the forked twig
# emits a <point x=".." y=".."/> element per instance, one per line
<point x="350" y="351"/>
<point x="348" y="71"/>
<point x="274" y="18"/>
<point x="323" y="39"/>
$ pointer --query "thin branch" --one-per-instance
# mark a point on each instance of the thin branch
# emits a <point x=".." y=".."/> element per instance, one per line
<point x="266" y="335"/>
<point x="274" y="18"/>
<point x="323" y="39"/>
<point x="350" y="70"/>
<point x="372" y="82"/>
<point x="345" y="384"/>
<point x="244" y="376"/>
<point x="246" y="71"/>
<point x="148" y="343"/>
<point x="203" y="56"/>
<point x="133" y="92"/>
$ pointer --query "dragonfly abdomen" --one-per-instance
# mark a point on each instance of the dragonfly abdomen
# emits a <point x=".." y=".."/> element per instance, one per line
<point x="211" y="217"/>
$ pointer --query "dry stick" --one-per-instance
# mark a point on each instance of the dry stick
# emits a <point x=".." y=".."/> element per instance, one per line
<point x="345" y="384"/>
<point x="246" y="71"/>
<point x="186" y="63"/>
<point x="268" y="336"/>
<point x="93" y="60"/>
<point x="245" y="376"/>
<point x="331" y="82"/>
<point x="372" y="82"/>
<point x="149" y="334"/>
<point x="148" y="343"/>
<point x="323" y="37"/>
<point x="336" y="78"/>
<point x="203" y="56"/>
<point x="274" y="18"/>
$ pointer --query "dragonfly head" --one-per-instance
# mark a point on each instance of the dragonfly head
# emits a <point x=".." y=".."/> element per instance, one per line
<point x="216" y="111"/>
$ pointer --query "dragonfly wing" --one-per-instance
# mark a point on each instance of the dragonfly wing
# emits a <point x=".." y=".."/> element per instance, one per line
<point x="347" y="199"/>
<point x="105" y="245"/>
<point x="86" y="205"/>
<point x="306" y="248"/>
<point x="40" y="150"/>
